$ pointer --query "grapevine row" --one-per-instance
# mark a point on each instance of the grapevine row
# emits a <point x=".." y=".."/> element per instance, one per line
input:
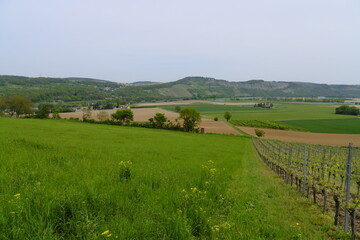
<point x="329" y="175"/>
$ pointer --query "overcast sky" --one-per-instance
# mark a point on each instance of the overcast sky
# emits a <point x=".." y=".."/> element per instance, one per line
<point x="165" y="40"/>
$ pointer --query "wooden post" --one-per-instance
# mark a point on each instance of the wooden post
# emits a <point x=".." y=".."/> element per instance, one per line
<point x="348" y="185"/>
<point x="304" y="172"/>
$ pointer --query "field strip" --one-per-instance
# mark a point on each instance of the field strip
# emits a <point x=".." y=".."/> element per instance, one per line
<point x="330" y="139"/>
<point x="143" y="114"/>
<point x="186" y="102"/>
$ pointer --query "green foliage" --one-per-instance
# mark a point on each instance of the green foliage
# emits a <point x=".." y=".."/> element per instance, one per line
<point x="227" y="116"/>
<point x="177" y="108"/>
<point x="216" y="119"/>
<point x="266" y="124"/>
<point x="16" y="105"/>
<point x="259" y="132"/>
<point x="43" y="112"/>
<point x="191" y="119"/>
<point x="347" y="125"/>
<point x="347" y="110"/>
<point x="124" y="115"/>
<point x="56" y="115"/>
<point x="159" y="120"/>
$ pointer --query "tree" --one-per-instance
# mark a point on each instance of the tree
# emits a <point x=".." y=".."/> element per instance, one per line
<point x="44" y="111"/>
<point x="87" y="113"/>
<point x="124" y="115"/>
<point x="56" y="114"/>
<point x="159" y="120"/>
<point x="259" y="133"/>
<point x="347" y="110"/>
<point x="227" y="116"/>
<point x="177" y="108"/>
<point x="18" y="105"/>
<point x="191" y="119"/>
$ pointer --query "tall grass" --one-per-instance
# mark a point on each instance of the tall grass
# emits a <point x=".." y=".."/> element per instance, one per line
<point x="72" y="180"/>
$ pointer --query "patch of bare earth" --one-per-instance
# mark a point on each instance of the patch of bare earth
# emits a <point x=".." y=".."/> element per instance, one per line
<point x="330" y="139"/>
<point x="143" y="114"/>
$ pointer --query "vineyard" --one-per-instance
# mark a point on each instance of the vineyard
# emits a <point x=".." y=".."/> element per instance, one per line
<point x="328" y="175"/>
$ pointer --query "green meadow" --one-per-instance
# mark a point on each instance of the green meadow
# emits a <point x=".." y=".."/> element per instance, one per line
<point x="348" y="125"/>
<point x="309" y="117"/>
<point x="70" y="180"/>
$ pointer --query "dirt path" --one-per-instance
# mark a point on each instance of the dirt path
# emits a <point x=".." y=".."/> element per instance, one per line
<point x="143" y="114"/>
<point x="330" y="139"/>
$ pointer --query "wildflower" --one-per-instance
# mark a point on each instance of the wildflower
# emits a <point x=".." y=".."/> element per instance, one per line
<point x="194" y="189"/>
<point x="184" y="191"/>
<point x="297" y="224"/>
<point x="207" y="182"/>
<point x="215" y="228"/>
<point x="17" y="195"/>
<point x="106" y="233"/>
<point x="38" y="183"/>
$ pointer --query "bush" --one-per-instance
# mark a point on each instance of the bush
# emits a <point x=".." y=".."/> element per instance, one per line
<point x="347" y="110"/>
<point x="259" y="133"/>
<point x="216" y="119"/>
<point x="124" y="115"/>
<point x="227" y="116"/>
<point x="191" y="119"/>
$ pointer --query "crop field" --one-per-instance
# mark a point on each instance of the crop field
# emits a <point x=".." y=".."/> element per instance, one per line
<point x="330" y="139"/>
<point x="63" y="179"/>
<point x="281" y="111"/>
<point x="348" y="125"/>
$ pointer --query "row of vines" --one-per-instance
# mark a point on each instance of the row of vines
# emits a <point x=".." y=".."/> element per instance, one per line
<point x="328" y="175"/>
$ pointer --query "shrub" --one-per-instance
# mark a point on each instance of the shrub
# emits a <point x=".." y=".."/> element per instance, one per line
<point x="259" y="133"/>
<point x="347" y="110"/>
<point x="216" y="119"/>
<point x="191" y="119"/>
<point x="227" y="116"/>
<point x="124" y="115"/>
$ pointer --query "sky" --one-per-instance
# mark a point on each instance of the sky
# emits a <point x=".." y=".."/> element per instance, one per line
<point x="166" y="40"/>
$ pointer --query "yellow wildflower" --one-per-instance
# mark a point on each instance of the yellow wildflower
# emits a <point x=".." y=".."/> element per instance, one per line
<point x="17" y="195"/>
<point x="106" y="233"/>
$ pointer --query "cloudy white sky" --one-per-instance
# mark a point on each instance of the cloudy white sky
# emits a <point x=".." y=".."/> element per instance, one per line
<point x="165" y="40"/>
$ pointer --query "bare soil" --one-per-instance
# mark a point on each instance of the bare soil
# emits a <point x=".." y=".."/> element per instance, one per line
<point x="143" y="114"/>
<point x="330" y="139"/>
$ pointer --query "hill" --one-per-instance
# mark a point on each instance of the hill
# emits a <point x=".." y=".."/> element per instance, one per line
<point x="55" y="89"/>
<point x="85" y="89"/>
<point x="200" y="87"/>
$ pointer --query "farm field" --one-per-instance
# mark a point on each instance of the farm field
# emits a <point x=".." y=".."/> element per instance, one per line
<point x="330" y="139"/>
<point x="143" y="114"/>
<point x="281" y="111"/>
<point x="71" y="180"/>
<point x="348" y="125"/>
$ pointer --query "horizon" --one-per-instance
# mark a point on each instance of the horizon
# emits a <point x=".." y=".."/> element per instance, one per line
<point x="218" y="79"/>
<point x="159" y="41"/>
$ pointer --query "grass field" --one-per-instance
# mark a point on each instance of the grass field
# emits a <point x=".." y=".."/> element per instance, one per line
<point x="319" y="118"/>
<point x="281" y="111"/>
<point x="72" y="180"/>
<point x="349" y="125"/>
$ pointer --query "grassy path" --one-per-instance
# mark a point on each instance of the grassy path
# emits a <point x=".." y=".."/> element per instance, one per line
<point x="267" y="208"/>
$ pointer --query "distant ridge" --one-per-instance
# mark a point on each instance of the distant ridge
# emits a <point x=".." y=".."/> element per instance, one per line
<point x="85" y="89"/>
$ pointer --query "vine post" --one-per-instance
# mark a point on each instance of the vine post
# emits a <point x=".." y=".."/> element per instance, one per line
<point x="304" y="171"/>
<point x="348" y="185"/>
<point x="288" y="166"/>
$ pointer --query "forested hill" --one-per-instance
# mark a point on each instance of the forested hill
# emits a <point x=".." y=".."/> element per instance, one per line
<point x="82" y="89"/>
<point x="54" y="89"/>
